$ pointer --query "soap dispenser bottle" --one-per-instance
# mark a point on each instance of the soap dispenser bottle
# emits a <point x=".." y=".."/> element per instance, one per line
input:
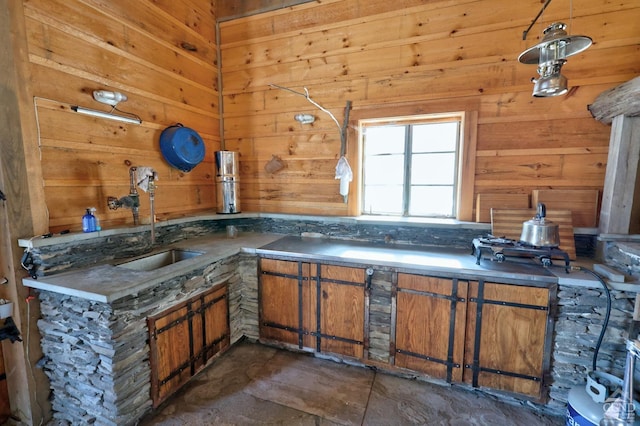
<point x="88" y="222"/>
<point x="95" y="219"/>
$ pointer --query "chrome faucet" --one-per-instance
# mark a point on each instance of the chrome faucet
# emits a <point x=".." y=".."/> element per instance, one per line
<point x="131" y="201"/>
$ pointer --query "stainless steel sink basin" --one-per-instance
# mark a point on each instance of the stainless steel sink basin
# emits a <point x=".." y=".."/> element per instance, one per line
<point x="158" y="260"/>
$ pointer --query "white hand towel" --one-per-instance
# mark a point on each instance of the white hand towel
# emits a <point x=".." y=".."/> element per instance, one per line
<point x="344" y="173"/>
<point x="142" y="177"/>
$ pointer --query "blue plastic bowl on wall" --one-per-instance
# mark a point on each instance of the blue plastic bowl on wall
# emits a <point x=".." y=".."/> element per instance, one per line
<point x="181" y="147"/>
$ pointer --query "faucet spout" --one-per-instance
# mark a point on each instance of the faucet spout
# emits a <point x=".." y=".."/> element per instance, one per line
<point x="131" y="201"/>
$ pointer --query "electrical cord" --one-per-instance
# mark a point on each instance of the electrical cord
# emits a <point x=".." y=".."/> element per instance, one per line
<point x="607" y="314"/>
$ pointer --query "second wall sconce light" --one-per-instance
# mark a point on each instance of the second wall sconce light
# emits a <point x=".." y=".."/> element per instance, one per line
<point x="304" y="118"/>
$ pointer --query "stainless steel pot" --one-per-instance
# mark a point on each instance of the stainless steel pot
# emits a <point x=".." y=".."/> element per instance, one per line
<point x="540" y="232"/>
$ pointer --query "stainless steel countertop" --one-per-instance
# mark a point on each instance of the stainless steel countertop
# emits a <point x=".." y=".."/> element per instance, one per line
<point x="443" y="260"/>
<point x="108" y="282"/>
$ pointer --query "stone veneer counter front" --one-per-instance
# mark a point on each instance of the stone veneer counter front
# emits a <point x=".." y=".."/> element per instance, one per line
<point x="94" y="317"/>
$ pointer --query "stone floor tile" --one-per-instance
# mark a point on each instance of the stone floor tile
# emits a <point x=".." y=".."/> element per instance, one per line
<point x="253" y="384"/>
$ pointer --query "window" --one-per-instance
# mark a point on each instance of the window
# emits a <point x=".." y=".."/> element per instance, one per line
<point x="411" y="165"/>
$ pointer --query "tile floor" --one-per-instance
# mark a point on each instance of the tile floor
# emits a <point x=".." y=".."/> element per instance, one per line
<point x="256" y="384"/>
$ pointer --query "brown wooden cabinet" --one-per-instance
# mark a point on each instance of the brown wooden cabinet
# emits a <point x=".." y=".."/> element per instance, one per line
<point x="317" y="307"/>
<point x="430" y="325"/>
<point x="508" y="341"/>
<point x="183" y="338"/>
<point x="482" y="333"/>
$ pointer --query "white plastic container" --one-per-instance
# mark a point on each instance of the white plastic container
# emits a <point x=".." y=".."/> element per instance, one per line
<point x="6" y="310"/>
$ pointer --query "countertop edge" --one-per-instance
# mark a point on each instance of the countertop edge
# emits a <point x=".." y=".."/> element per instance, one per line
<point x="218" y="247"/>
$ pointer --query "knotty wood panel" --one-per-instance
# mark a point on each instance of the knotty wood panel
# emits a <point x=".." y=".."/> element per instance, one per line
<point x="230" y="9"/>
<point x="440" y="51"/>
<point x="585" y="133"/>
<point x="582" y="203"/>
<point x="541" y="168"/>
<point x="163" y="56"/>
<point x="486" y="202"/>
<point x="52" y="83"/>
<point x="94" y="23"/>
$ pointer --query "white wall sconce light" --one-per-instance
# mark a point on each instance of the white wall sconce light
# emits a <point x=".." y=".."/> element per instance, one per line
<point x="109" y="98"/>
<point x="550" y="55"/>
<point x="304" y="118"/>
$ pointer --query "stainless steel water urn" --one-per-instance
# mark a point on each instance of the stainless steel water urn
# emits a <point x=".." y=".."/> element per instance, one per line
<point x="227" y="182"/>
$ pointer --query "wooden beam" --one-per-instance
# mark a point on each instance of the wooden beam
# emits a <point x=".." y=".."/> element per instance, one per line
<point x="233" y="9"/>
<point x="618" y="214"/>
<point x="621" y="100"/>
<point x="22" y="215"/>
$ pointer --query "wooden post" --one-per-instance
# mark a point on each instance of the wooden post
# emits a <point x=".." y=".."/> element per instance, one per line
<point x="620" y="211"/>
<point x="22" y="214"/>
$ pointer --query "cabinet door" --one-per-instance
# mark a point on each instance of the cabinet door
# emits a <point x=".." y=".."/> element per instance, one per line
<point x="314" y="306"/>
<point x="170" y="352"/>
<point x="339" y="309"/>
<point x="430" y="325"/>
<point x="210" y="325"/>
<point x="507" y="346"/>
<point x="284" y="292"/>
<point x="183" y="338"/>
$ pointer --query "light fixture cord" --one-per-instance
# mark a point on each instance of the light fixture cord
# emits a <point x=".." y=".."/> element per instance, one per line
<point x="115" y="108"/>
<point x="570" y="16"/>
<point x="525" y="32"/>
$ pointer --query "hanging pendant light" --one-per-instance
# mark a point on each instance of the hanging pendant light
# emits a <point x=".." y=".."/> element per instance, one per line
<point x="550" y="55"/>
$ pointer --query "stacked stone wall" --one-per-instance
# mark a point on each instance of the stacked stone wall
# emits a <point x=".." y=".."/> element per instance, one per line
<point x="96" y="355"/>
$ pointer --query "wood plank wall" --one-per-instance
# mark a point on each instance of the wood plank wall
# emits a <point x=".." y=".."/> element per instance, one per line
<point x="163" y="56"/>
<point x="416" y="56"/>
<point x="233" y="9"/>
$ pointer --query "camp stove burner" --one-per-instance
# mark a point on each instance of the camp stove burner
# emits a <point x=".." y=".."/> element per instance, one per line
<point x="500" y="248"/>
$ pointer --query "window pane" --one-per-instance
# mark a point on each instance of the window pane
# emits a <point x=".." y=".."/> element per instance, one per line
<point x="433" y="169"/>
<point x="383" y="199"/>
<point x="435" y="137"/>
<point x="384" y="169"/>
<point x="427" y="173"/>
<point x="431" y="201"/>
<point x="384" y="140"/>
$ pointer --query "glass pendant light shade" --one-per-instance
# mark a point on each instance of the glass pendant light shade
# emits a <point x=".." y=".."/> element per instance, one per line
<point x="550" y="55"/>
